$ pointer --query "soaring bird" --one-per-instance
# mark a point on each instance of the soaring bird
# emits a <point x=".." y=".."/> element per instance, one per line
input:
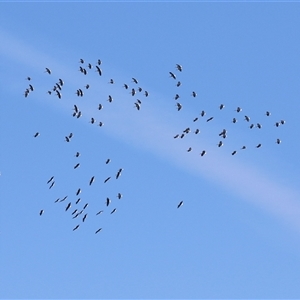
<point x="278" y="141"/>
<point x="76" y="227"/>
<point x="137" y="105"/>
<point x="76" y="166"/>
<point x="60" y="81"/>
<point x="63" y="199"/>
<point x="107" y="201"/>
<point x="223" y="132"/>
<point x="176" y="136"/>
<point x="41" y="212"/>
<point x="268" y="113"/>
<point x="179" y="67"/>
<point x="84" y="217"/>
<point x="203" y="153"/>
<point x="182" y="136"/>
<point x="92" y="121"/>
<point x="106" y="179"/>
<point x="238" y="109"/>
<point x="234" y="120"/>
<point x="209" y="119"/>
<point x="172" y="75"/>
<point x="48" y="71"/>
<point x="194" y="94"/>
<point x="113" y="211"/>
<point x="180" y="204"/>
<point x="52" y="184"/>
<point x="197" y="131"/>
<point x="222" y="106"/>
<point x="68" y="206"/>
<point x="99" y="62"/>
<point x="119" y="195"/>
<point x="58" y="94"/>
<point x="87" y="86"/>
<point x="99" y="212"/>
<point x="179" y="106"/>
<point x="233" y="153"/>
<point x="85" y="206"/>
<point x="119" y="173"/>
<point x="67" y="139"/>
<point x="282" y="122"/>
<point x="28" y="78"/>
<point x="90" y="66"/>
<point x="98" y="230"/>
<point x="101" y="124"/>
<point x="258" y="125"/>
<point x="247" y="118"/>
<point x="75" y="108"/>
<point x="178" y="84"/>
<point x="187" y="130"/>
<point x="78" y="200"/>
<point x="78" y="192"/>
<point x="99" y="70"/>
<point x="134" y="80"/>
<point x="220" y="144"/>
<point x="92" y="180"/>
<point x="176" y="97"/>
<point x="277" y="124"/>
<point x="79" y="114"/>
<point x="107" y="161"/>
<point x="31" y="87"/>
<point x="100" y="106"/>
<point x="251" y="126"/>
<point x="81" y="61"/>
<point x="50" y="179"/>
<point x="74" y="212"/>
<point x="189" y="149"/>
<point x="125" y="86"/>
<point x="203" y="113"/>
<point x="258" y="146"/>
<point x="146" y="94"/>
<point x="36" y="135"/>
<point x="111" y="81"/>
<point x="110" y="98"/>
<point x="243" y="148"/>
<point x="132" y="92"/>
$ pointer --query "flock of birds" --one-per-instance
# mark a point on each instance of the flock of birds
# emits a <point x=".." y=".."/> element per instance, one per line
<point x="223" y="133"/>
<point x="80" y="212"/>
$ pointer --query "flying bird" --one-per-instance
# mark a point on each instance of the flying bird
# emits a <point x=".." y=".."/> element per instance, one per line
<point x="36" y="135"/>
<point x="278" y="141"/>
<point x="119" y="173"/>
<point x="107" y="161"/>
<point x="48" y="71"/>
<point x="189" y="149"/>
<point x="238" y="109"/>
<point x="172" y="75"/>
<point x="92" y="180"/>
<point x="203" y="113"/>
<point x="99" y="212"/>
<point x="106" y="179"/>
<point x="77" y="154"/>
<point x="107" y="201"/>
<point x="203" y="153"/>
<point x="179" y="67"/>
<point x="209" y="119"/>
<point x="113" y="211"/>
<point x="180" y="204"/>
<point x="100" y="106"/>
<point x="268" y="113"/>
<point x="84" y="217"/>
<point x="194" y="94"/>
<point x="77" y="165"/>
<point x="233" y="153"/>
<point x="178" y="84"/>
<point x="110" y="98"/>
<point x="99" y="70"/>
<point x="197" y="131"/>
<point x="179" y="106"/>
<point x="52" y="184"/>
<point x="78" y="192"/>
<point x="41" y="212"/>
<point x="68" y="206"/>
<point x="50" y="179"/>
<point x="222" y="106"/>
<point x="98" y="230"/>
<point x="247" y="118"/>
<point x="134" y="80"/>
<point x="125" y="86"/>
<point x="258" y="146"/>
<point x="119" y="195"/>
<point x="85" y="206"/>
<point x="76" y="227"/>
<point x="146" y="94"/>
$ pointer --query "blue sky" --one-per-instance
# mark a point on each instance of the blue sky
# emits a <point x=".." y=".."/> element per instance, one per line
<point x="237" y="234"/>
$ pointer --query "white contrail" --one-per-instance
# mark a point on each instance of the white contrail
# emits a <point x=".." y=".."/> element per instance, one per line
<point x="152" y="129"/>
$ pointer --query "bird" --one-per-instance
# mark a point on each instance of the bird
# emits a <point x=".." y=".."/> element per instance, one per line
<point x="48" y="71"/>
<point x="81" y="61"/>
<point x="101" y="124"/>
<point x="50" y="179"/>
<point x="209" y="119"/>
<point x="203" y="113"/>
<point x="196" y="119"/>
<point x="100" y="106"/>
<point x="176" y="136"/>
<point x="31" y="87"/>
<point x="197" y="131"/>
<point x="67" y="139"/>
<point x="63" y="199"/>
<point x="251" y="126"/>
<point x="58" y="94"/>
<point x="107" y="161"/>
<point x="92" y="180"/>
<point x="60" y="81"/>
<point x="113" y="211"/>
<point x="68" y="206"/>
<point x="36" y="135"/>
<point x="75" y="108"/>
<point x="41" y="212"/>
<point x="223" y="132"/>
<point x="277" y="124"/>
<point x="28" y="78"/>
<point x="84" y="217"/>
<point x="76" y="227"/>
<point x="134" y="80"/>
<point x="243" y="148"/>
<point x="194" y="94"/>
<point x="87" y="86"/>
<point x="119" y="173"/>
<point x="119" y="195"/>
<point x="90" y="66"/>
<point x="98" y="230"/>
<point x="99" y="212"/>
<point x="258" y="125"/>
<point x="268" y="113"/>
<point x="233" y="153"/>
<point x="78" y="192"/>
<point x="77" y="154"/>
<point x="74" y="212"/>
<point x="146" y="94"/>
<point x="178" y="84"/>
<point x="179" y="67"/>
<point x="238" y="109"/>
<point x="85" y="206"/>
<point x="187" y="130"/>
<point x="234" y="120"/>
<point x="203" y="153"/>
<point x="111" y="81"/>
<point x="182" y="135"/>
<point x="79" y="114"/>
<point x="137" y="105"/>
<point x="77" y="165"/>
<point x="179" y="106"/>
<point x="107" y="201"/>
<point x="176" y="97"/>
<point x="110" y="98"/>
<point x="99" y="70"/>
<point x="282" y="122"/>
<point x="278" y="141"/>
<point x="189" y="149"/>
<point x="99" y="62"/>
<point x="172" y="75"/>
<point x="132" y="92"/>
<point x="92" y="121"/>
<point x="78" y="200"/>
<point x="52" y="184"/>
<point x="247" y="118"/>
<point x="106" y="179"/>
<point x="125" y="86"/>
<point x="222" y="106"/>
<point x="180" y="204"/>
<point x="258" y="146"/>
<point x="220" y="144"/>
